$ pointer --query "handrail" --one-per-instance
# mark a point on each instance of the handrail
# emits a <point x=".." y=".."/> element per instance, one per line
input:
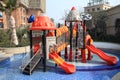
<point x="30" y="60"/>
<point x="35" y="65"/>
<point x="25" y="60"/>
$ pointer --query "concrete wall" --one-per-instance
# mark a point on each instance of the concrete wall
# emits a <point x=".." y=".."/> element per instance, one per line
<point x="15" y="50"/>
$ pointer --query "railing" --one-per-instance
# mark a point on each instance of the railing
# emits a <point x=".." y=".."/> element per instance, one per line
<point x="38" y="57"/>
<point x="27" y="60"/>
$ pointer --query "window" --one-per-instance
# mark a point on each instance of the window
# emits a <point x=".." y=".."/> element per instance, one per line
<point x="1" y="14"/>
<point x="1" y="24"/>
<point x="88" y="10"/>
<point x="98" y="9"/>
<point x="93" y="9"/>
<point x="24" y="18"/>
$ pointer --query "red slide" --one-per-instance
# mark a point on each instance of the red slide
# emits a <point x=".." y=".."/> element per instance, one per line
<point x="68" y="68"/>
<point x="110" y="60"/>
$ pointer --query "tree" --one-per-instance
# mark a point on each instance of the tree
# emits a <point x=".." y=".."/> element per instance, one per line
<point x="8" y="6"/>
<point x="117" y="26"/>
<point x="117" y="29"/>
<point x="99" y="20"/>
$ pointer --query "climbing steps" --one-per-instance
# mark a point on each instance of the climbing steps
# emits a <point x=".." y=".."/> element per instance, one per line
<point x="29" y="68"/>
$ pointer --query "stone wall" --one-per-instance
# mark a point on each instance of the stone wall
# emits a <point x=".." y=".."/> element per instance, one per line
<point x="16" y="50"/>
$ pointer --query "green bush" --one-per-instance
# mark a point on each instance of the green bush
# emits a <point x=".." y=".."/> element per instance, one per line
<point x="4" y="38"/>
<point x="109" y="38"/>
<point x="23" y="37"/>
<point x="104" y="37"/>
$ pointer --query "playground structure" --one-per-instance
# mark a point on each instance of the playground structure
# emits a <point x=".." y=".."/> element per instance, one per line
<point x="47" y="42"/>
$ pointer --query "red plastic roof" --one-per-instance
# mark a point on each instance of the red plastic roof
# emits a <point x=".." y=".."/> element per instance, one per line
<point x="73" y="8"/>
<point x="42" y="23"/>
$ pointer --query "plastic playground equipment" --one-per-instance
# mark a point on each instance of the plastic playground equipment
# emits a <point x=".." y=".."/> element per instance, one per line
<point x="47" y="42"/>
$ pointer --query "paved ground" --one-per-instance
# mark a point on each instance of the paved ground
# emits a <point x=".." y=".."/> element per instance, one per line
<point x="116" y="77"/>
<point x="107" y="45"/>
<point x="12" y="69"/>
<point x="8" y="52"/>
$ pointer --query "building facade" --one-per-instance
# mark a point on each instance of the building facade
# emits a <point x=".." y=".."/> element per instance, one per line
<point x="113" y="20"/>
<point x="113" y="14"/>
<point x="2" y="20"/>
<point x="96" y="8"/>
<point x="97" y="5"/>
<point x="21" y="14"/>
<point x="36" y="7"/>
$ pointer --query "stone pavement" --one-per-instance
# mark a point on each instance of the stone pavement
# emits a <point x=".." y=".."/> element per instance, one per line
<point x="3" y="55"/>
<point x="116" y="77"/>
<point x="8" y="52"/>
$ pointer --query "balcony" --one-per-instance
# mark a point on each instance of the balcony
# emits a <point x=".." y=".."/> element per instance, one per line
<point x="24" y="3"/>
<point x="38" y="4"/>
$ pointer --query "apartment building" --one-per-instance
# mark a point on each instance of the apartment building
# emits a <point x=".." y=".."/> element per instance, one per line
<point x="97" y="5"/>
<point x="2" y="20"/>
<point x="113" y="13"/>
<point x="21" y="14"/>
<point x="36" y="7"/>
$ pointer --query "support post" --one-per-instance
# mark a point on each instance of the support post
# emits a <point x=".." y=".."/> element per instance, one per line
<point x="44" y="50"/>
<point x="66" y="52"/>
<point x="71" y="54"/>
<point x="59" y="27"/>
<point x="89" y="53"/>
<point x="31" y="50"/>
<point x="84" y="45"/>
<point x="83" y="56"/>
<point x="76" y="54"/>
<point x="84" y="35"/>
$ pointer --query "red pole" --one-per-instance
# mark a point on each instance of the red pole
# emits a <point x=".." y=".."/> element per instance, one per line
<point x="83" y="52"/>
<point x="77" y="55"/>
<point x="66" y="53"/>
<point x="89" y="55"/>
